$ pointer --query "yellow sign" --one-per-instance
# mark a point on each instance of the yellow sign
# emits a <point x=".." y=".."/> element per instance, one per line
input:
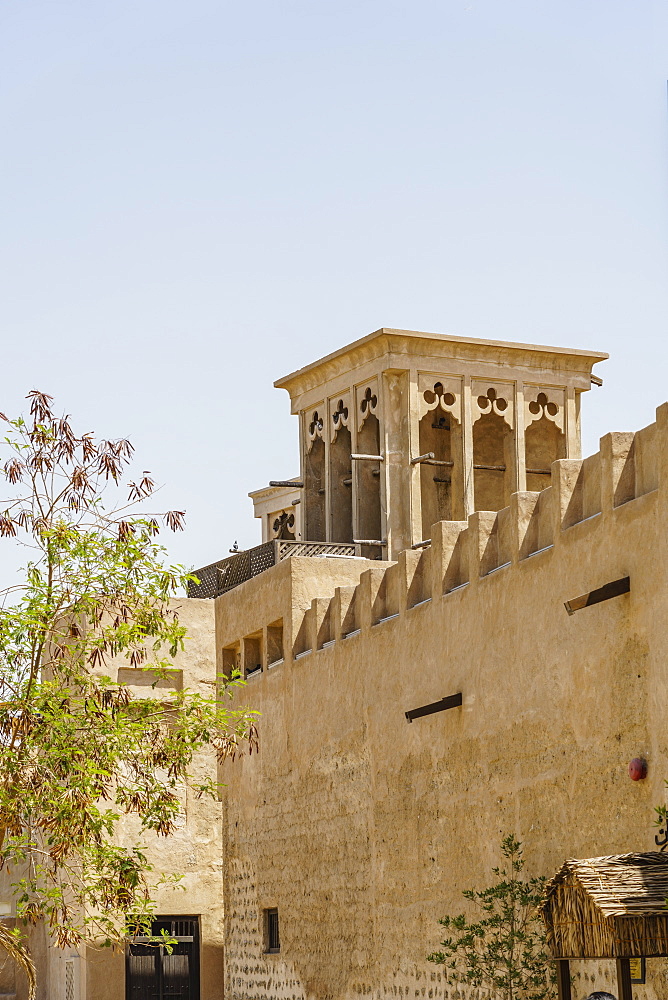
<point x="637" y="966"/>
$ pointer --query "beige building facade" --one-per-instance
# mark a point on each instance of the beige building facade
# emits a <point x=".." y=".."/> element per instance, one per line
<point x="358" y="828"/>
<point x="192" y="910"/>
<point x="423" y="690"/>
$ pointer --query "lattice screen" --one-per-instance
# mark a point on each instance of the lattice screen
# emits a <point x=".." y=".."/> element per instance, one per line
<point x="69" y="981"/>
<point x="218" y="578"/>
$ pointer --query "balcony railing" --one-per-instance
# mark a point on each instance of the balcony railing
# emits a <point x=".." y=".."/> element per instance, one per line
<point x="219" y="577"/>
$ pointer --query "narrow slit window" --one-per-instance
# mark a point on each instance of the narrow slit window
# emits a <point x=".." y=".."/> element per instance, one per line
<point x="231" y="660"/>
<point x="273" y="939"/>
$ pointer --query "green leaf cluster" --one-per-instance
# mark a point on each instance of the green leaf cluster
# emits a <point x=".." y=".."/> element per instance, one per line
<point x="503" y="949"/>
<point x="77" y="751"/>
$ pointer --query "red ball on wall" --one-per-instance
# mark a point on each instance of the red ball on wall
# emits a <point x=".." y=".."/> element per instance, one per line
<point x="638" y="769"/>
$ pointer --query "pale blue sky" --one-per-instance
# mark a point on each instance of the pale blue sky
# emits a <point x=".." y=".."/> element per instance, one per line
<point x="200" y="197"/>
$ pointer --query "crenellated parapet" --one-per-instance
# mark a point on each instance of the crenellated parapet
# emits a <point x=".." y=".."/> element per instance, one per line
<point x="584" y="494"/>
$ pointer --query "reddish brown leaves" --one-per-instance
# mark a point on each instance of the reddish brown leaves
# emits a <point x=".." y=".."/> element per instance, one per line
<point x="64" y="436"/>
<point x="137" y="657"/>
<point x="80" y="480"/>
<point x="112" y="456"/>
<point x="66" y="474"/>
<point x="40" y="406"/>
<point x="230" y="744"/>
<point x="7" y="527"/>
<point x="109" y="466"/>
<point x="23" y="518"/>
<point x="87" y="447"/>
<point x="14" y="470"/>
<point x="96" y="658"/>
<point x="40" y="461"/>
<point x="141" y="490"/>
<point x="175" y="520"/>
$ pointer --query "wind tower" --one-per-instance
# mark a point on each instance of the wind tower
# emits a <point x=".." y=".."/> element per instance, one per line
<point x="402" y="429"/>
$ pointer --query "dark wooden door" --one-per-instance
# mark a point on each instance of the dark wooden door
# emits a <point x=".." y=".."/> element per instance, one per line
<point x="151" y="973"/>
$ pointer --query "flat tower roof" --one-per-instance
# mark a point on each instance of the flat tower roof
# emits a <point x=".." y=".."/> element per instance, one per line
<point x="393" y="341"/>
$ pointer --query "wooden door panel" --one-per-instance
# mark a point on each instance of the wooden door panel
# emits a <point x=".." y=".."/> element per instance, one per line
<point x="151" y="973"/>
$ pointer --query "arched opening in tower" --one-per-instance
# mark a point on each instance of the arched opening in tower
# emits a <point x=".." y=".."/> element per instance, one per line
<point x="341" y="486"/>
<point x="544" y="444"/>
<point x="314" y="492"/>
<point x="440" y="487"/>
<point x="493" y="464"/>
<point x="369" y="521"/>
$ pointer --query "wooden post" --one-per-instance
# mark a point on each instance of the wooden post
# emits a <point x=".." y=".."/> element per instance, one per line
<point x="564" y="979"/>
<point x="624" y="988"/>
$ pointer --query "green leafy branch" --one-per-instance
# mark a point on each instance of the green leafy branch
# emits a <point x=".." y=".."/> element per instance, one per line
<point x="504" y="949"/>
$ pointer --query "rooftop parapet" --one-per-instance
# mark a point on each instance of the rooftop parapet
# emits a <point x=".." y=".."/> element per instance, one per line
<point x="622" y="481"/>
<point x="226" y="574"/>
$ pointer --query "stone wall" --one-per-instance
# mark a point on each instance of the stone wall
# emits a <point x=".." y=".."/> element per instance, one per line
<point x="194" y="851"/>
<point x="362" y="829"/>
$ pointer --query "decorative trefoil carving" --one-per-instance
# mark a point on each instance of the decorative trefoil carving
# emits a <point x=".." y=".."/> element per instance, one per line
<point x="493" y="397"/>
<point x="314" y="427"/>
<point x="367" y="403"/>
<point x="283" y="525"/>
<point x="339" y="409"/>
<point x="439" y="392"/>
<point x="543" y="401"/>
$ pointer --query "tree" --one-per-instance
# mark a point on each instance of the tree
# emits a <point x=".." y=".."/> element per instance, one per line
<point x="504" y="951"/>
<point x="76" y="751"/>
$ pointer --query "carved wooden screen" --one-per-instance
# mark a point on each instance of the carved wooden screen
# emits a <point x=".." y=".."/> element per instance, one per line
<point x="151" y="973"/>
<point x="69" y="980"/>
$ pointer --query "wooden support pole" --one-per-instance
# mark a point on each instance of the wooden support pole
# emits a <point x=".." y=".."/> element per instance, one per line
<point x="564" y="979"/>
<point x="624" y="987"/>
<point x="605" y="593"/>
<point x="452" y="701"/>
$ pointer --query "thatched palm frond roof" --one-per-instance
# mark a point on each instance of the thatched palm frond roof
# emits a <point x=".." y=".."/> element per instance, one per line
<point x="609" y="907"/>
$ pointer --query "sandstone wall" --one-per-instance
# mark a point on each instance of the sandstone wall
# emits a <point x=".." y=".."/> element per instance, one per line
<point x="194" y="851"/>
<point x="362" y="828"/>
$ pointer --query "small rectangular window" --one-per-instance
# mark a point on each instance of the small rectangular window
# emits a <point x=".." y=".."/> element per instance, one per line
<point x="275" y="642"/>
<point x="231" y="660"/>
<point x="252" y="653"/>
<point x="273" y="940"/>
